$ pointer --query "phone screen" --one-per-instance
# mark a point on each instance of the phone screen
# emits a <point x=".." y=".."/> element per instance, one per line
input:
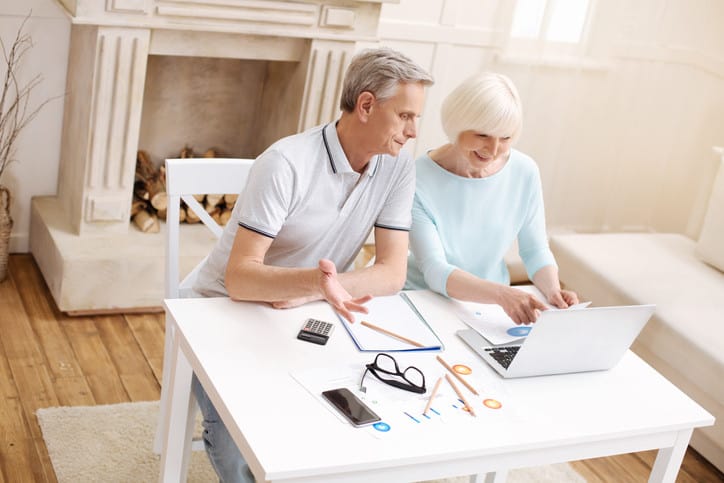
<point x="350" y="406"/>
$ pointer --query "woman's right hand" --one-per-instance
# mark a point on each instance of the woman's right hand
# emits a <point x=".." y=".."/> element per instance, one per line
<point x="520" y="306"/>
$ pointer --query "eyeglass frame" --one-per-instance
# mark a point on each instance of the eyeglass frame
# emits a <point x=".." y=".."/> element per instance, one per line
<point x="373" y="367"/>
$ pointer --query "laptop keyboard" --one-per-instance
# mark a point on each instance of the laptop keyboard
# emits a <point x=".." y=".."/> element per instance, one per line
<point x="503" y="355"/>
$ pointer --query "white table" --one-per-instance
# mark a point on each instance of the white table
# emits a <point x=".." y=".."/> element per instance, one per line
<point x="243" y="354"/>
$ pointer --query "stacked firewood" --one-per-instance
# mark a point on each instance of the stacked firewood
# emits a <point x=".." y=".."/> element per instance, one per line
<point x="150" y="200"/>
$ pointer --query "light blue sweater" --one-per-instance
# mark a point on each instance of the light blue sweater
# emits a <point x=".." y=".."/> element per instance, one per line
<point x="470" y="223"/>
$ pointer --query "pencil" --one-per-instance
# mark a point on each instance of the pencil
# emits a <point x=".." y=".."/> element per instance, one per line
<point x="458" y="376"/>
<point x="432" y="395"/>
<point x="460" y="394"/>
<point x="391" y="334"/>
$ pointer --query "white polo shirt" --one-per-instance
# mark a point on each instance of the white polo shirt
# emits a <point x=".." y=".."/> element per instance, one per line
<point x="303" y="193"/>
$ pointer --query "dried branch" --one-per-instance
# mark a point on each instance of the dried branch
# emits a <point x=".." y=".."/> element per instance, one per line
<point x="15" y="111"/>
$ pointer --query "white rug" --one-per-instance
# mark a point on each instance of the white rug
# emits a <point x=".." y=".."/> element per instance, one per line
<point x="112" y="443"/>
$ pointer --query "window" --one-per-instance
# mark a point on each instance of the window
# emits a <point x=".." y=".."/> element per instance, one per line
<point x="545" y="28"/>
<point x="550" y="20"/>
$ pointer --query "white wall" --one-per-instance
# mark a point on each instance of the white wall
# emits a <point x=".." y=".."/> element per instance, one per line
<point x="623" y="139"/>
<point x="623" y="142"/>
<point x="38" y="147"/>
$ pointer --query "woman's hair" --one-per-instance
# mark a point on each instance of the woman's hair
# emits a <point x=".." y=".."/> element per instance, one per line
<point x="379" y="71"/>
<point x="487" y="103"/>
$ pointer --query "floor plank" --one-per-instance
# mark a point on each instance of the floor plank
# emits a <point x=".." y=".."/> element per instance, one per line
<point x="149" y="334"/>
<point x="95" y="362"/>
<point x="24" y="356"/>
<point x="128" y="358"/>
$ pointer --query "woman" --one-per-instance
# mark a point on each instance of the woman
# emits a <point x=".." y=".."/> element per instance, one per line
<point x="474" y="197"/>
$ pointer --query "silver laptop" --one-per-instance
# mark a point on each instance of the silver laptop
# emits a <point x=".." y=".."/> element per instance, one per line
<point x="565" y="341"/>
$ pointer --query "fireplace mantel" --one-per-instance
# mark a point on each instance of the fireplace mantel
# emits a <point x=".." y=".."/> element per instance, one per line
<point x="80" y="237"/>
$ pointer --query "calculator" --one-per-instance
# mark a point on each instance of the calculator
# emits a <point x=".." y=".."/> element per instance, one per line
<point x="316" y="331"/>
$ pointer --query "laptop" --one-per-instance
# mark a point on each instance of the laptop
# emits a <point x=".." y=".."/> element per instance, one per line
<point x="565" y="341"/>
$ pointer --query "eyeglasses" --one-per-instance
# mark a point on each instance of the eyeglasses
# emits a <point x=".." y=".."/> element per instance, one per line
<point x="385" y="369"/>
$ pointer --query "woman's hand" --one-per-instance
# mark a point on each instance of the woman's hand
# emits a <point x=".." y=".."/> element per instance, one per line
<point x="522" y="307"/>
<point x="563" y="298"/>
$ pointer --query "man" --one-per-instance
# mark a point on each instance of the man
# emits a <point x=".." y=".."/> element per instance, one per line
<point x="309" y="204"/>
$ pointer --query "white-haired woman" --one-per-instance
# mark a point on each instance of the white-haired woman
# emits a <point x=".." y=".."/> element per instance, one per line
<point x="475" y="196"/>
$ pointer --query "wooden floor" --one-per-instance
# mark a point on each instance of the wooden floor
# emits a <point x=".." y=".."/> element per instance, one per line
<point x="50" y="359"/>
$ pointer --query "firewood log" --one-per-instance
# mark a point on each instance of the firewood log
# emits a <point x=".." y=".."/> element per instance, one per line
<point x="145" y="169"/>
<point x="137" y="205"/>
<point x="146" y="222"/>
<point x="157" y="193"/>
<point x="230" y="200"/>
<point x="187" y="152"/>
<point x="140" y="190"/>
<point x="225" y="215"/>
<point x="216" y="215"/>
<point x="192" y="217"/>
<point x="212" y="201"/>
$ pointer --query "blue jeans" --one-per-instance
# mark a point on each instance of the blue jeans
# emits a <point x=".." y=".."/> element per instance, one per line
<point x="223" y="453"/>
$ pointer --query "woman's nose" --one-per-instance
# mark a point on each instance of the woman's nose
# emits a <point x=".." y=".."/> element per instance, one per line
<point x="493" y="143"/>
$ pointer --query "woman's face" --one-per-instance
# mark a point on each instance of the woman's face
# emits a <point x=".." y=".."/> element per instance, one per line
<point x="480" y="149"/>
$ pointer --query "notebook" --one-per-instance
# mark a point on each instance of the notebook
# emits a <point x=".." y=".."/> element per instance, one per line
<point x="395" y="314"/>
<point x="563" y="341"/>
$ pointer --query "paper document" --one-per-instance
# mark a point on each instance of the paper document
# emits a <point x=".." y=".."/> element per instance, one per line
<point x="394" y="314"/>
<point x="491" y="321"/>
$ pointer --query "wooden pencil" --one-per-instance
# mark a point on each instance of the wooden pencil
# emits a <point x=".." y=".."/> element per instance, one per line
<point x="460" y="394"/>
<point x="457" y="376"/>
<point x="432" y="395"/>
<point x="391" y="334"/>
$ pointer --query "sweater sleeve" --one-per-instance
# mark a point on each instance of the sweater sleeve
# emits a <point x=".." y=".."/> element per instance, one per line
<point x="532" y="237"/>
<point x="428" y="250"/>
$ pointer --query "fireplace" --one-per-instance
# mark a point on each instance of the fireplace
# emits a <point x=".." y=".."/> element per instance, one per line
<point x="262" y="69"/>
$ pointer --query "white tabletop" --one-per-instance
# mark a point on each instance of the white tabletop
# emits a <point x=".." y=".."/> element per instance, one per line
<point x="245" y="355"/>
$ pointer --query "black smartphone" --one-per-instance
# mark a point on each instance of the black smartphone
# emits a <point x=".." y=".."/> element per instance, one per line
<point x="351" y="407"/>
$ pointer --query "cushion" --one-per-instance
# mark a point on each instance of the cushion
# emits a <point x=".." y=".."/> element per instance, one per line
<point x="711" y="240"/>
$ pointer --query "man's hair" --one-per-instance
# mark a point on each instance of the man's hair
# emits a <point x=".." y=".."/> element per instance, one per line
<point x="487" y="103"/>
<point x="379" y="71"/>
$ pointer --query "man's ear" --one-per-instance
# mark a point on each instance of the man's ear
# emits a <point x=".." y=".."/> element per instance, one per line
<point x="365" y="104"/>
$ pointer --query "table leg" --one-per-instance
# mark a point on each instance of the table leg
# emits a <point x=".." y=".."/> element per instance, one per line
<point x="668" y="460"/>
<point x="494" y="477"/>
<point x="180" y="418"/>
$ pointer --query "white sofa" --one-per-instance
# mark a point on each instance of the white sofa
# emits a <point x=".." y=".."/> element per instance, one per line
<point x="684" y="340"/>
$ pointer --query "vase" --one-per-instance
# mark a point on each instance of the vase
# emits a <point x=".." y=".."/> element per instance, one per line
<point x="6" y="225"/>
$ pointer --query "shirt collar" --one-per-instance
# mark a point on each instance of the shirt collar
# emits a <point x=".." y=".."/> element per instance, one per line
<point x="338" y="161"/>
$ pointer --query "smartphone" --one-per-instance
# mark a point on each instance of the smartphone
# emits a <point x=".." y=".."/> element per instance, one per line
<point x="351" y="407"/>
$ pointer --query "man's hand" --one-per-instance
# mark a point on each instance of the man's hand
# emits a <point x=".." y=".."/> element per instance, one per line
<point x="520" y="306"/>
<point x="288" y="304"/>
<point x="336" y="295"/>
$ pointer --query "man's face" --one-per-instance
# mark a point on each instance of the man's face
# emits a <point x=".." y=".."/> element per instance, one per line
<point x="393" y="121"/>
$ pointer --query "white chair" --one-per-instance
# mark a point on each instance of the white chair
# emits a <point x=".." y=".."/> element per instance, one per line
<point x="184" y="178"/>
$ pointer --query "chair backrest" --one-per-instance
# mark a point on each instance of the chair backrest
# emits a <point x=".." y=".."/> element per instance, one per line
<point x="185" y="178"/>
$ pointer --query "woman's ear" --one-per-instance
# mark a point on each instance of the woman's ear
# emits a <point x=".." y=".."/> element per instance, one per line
<point x="365" y="104"/>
